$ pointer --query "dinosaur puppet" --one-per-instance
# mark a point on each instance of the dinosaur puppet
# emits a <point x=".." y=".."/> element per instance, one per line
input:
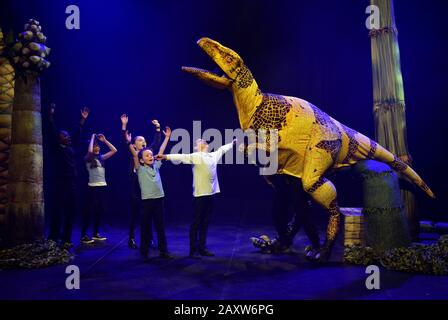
<point x="310" y="142"/>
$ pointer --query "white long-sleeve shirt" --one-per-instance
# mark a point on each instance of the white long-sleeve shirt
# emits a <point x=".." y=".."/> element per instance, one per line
<point x="205" y="177"/>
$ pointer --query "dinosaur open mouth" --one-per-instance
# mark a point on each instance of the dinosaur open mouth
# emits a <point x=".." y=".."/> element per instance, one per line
<point x="217" y="77"/>
<point x="217" y="73"/>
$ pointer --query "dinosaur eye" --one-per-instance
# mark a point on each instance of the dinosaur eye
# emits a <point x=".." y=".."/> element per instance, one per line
<point x="229" y="59"/>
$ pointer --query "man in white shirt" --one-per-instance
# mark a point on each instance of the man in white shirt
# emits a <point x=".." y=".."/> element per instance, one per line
<point x="205" y="186"/>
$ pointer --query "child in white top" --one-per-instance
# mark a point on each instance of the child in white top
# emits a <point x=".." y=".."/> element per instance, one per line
<point x="205" y="186"/>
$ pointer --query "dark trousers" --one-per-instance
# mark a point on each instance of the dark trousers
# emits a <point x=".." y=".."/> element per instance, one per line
<point x="152" y="212"/>
<point x="64" y="210"/>
<point x="135" y="201"/>
<point x="94" y="207"/>
<point x="288" y="192"/>
<point x="202" y="208"/>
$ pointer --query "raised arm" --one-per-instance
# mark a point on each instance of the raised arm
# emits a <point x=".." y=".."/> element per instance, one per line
<point x="77" y="133"/>
<point x="89" y="155"/>
<point x="189" y="158"/>
<point x="167" y="134"/>
<point x="155" y="145"/>
<point x="111" y="147"/>
<point x="134" y="156"/>
<point x="223" y="149"/>
<point x="124" y="131"/>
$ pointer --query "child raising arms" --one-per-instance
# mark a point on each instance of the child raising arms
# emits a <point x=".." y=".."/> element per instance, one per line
<point x="152" y="196"/>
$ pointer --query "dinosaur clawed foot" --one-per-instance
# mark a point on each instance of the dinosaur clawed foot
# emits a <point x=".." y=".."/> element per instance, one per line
<point x="269" y="246"/>
<point x="319" y="255"/>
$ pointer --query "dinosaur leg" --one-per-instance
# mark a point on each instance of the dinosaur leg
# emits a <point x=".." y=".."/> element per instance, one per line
<point x="322" y="191"/>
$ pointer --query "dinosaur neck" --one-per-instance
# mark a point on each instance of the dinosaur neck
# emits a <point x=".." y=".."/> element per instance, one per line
<point x="246" y="101"/>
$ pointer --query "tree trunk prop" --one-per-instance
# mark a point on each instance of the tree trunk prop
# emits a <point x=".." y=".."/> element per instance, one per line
<point x="388" y="93"/>
<point x="6" y="100"/>
<point x="384" y="219"/>
<point x="25" y="215"/>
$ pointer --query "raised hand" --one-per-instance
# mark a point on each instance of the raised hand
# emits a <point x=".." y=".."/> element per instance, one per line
<point x="128" y="136"/>
<point x="85" y="112"/>
<point x="156" y="123"/>
<point x="124" y="119"/>
<point x="167" y="132"/>
<point x="101" y="137"/>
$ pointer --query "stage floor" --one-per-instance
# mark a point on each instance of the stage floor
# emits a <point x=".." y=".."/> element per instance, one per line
<point x="112" y="271"/>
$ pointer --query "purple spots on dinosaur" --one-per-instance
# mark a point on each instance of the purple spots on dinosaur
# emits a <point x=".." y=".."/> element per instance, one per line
<point x="397" y="164"/>
<point x="321" y="117"/>
<point x="244" y="77"/>
<point x="328" y="127"/>
<point x="271" y="113"/>
<point x="317" y="184"/>
<point x="331" y="146"/>
<point x="335" y="218"/>
<point x="373" y="147"/>
<point x="353" y="144"/>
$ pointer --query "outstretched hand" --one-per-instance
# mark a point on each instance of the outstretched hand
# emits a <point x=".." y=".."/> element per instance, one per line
<point x="85" y="112"/>
<point x="160" y="157"/>
<point x="167" y="132"/>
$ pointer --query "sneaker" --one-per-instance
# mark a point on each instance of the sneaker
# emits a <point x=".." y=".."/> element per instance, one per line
<point x="67" y="245"/>
<point x="165" y="255"/>
<point x="98" y="237"/>
<point x="132" y="244"/>
<point x="86" y="240"/>
<point x="206" y="253"/>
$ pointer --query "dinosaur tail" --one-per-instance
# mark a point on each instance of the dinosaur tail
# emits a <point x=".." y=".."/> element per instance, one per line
<point x="383" y="155"/>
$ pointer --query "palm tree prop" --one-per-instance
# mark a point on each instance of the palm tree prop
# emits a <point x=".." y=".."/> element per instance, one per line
<point x="25" y="188"/>
<point x="6" y="100"/>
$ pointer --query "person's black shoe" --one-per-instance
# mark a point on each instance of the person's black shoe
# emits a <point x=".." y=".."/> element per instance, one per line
<point x="166" y="255"/>
<point x="206" y="253"/>
<point x="132" y="244"/>
<point x="152" y="244"/>
<point x="98" y="237"/>
<point x="194" y="254"/>
<point x="86" y="240"/>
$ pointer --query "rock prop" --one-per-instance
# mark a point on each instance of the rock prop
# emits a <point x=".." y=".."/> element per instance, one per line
<point x="35" y="255"/>
<point x="419" y="258"/>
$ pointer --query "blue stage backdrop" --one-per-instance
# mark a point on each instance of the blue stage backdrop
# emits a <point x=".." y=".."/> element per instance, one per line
<point x="127" y="55"/>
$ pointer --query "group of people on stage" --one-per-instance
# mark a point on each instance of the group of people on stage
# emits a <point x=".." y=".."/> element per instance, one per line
<point x="147" y="195"/>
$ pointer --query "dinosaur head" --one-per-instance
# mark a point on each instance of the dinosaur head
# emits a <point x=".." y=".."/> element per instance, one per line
<point x="236" y="74"/>
<point x="237" y="78"/>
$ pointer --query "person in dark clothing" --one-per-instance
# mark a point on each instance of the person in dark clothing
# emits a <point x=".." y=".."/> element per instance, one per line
<point x="139" y="143"/>
<point x="288" y="192"/>
<point x="62" y="145"/>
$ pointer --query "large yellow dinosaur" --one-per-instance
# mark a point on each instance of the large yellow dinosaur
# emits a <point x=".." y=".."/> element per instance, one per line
<point x="310" y="142"/>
